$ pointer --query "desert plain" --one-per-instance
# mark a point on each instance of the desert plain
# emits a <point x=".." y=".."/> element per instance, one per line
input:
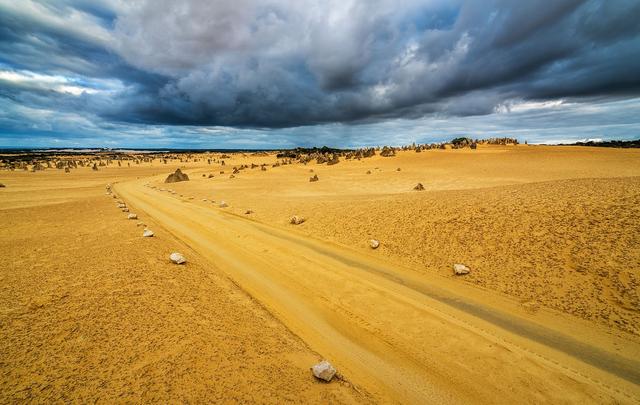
<point x="92" y="311"/>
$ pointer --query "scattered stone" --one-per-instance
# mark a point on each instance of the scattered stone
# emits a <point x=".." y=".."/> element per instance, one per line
<point x="177" y="258"/>
<point x="374" y="244"/>
<point x="419" y="187"/>
<point x="176" y="177"/>
<point x="368" y="171"/>
<point x="323" y="371"/>
<point x="314" y="178"/>
<point x="147" y="233"/>
<point x="398" y="169"/>
<point x="223" y="204"/>
<point x="2" y="185"/>
<point x="296" y="220"/>
<point x="247" y="212"/>
<point x="132" y="216"/>
<point x="460" y="269"/>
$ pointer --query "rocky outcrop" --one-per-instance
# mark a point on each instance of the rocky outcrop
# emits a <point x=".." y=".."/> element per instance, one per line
<point x="387" y="152"/>
<point x="334" y="160"/>
<point x="176" y="177"/>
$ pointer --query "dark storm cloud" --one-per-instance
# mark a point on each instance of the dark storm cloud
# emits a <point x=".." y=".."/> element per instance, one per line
<point x="279" y="64"/>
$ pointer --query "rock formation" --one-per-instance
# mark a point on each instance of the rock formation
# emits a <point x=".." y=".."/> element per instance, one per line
<point x="387" y="152"/>
<point x="176" y="177"/>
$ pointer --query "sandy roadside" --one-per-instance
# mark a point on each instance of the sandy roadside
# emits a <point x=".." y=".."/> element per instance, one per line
<point x="91" y="311"/>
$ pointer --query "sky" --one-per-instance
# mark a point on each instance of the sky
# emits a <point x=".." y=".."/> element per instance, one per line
<point x="344" y="73"/>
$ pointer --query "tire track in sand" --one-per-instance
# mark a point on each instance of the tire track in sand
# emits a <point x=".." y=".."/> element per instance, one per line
<point x="384" y="329"/>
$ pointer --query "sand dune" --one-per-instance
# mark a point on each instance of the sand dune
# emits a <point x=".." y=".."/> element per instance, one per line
<point x="548" y="313"/>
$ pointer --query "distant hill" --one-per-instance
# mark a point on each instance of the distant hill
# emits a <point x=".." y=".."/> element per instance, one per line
<point x="608" y="144"/>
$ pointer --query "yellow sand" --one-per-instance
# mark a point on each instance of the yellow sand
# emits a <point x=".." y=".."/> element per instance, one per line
<point x="90" y="310"/>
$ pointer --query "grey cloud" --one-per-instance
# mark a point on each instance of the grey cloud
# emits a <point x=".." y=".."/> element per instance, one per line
<point x="278" y="64"/>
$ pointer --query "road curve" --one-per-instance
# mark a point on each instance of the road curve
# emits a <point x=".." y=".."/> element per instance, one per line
<point x="398" y="335"/>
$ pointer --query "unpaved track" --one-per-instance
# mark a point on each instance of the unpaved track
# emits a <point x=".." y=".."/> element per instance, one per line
<point x="396" y="334"/>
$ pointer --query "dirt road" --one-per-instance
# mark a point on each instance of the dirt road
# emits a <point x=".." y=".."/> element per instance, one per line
<point x="402" y="336"/>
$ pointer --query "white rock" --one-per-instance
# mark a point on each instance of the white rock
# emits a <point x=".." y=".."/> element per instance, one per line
<point x="177" y="258"/>
<point x="125" y="210"/>
<point x="223" y="204"/>
<point x="122" y="205"/>
<point x="460" y="269"/>
<point x="132" y="216"/>
<point x="324" y="371"/>
<point x="374" y="244"/>
<point x="296" y="220"/>
<point x="147" y="233"/>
